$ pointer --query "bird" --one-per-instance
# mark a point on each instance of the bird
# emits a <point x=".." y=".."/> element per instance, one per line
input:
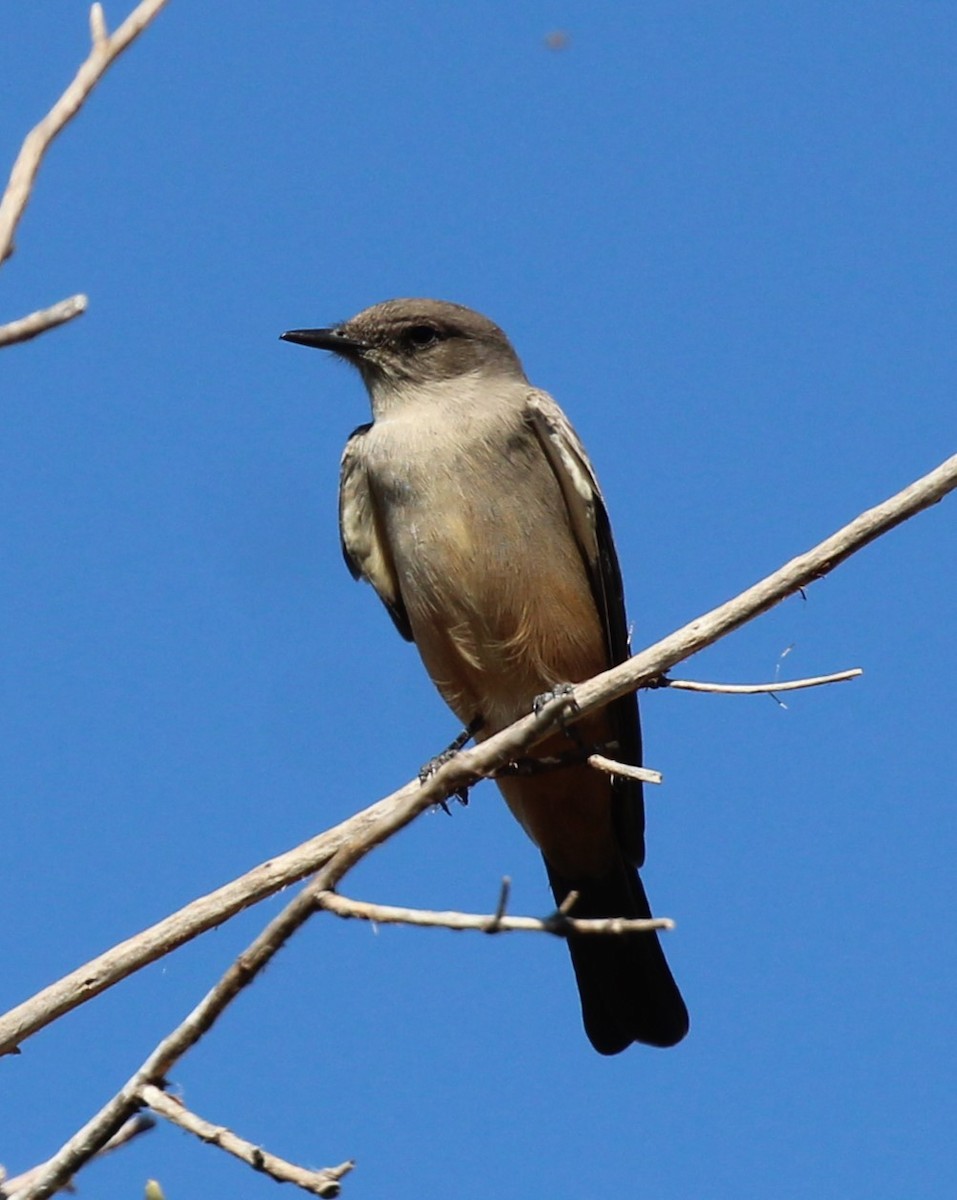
<point x="469" y="504"/>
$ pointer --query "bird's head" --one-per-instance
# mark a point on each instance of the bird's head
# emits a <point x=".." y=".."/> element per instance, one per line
<point x="416" y="344"/>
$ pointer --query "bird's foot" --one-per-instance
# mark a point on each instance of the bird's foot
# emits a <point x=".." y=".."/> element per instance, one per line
<point x="431" y="767"/>
<point x="567" y="713"/>
<point x="439" y="760"/>
<point x="564" y="692"/>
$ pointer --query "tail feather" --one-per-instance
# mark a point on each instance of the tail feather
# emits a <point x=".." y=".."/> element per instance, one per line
<point x="626" y="987"/>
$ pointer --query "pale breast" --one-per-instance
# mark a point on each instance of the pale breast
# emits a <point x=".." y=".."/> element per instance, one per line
<point x="488" y="568"/>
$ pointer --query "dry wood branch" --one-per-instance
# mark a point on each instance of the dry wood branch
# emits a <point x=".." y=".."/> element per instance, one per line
<point x="752" y="689"/>
<point x="98" y="30"/>
<point x="324" y="1182"/>
<point x="650" y="664"/>
<point x="500" y="908"/>
<point x="82" y="1146"/>
<point x="126" y="1133"/>
<point x="84" y="1143"/>
<point x="541" y="765"/>
<point x="375" y="825"/>
<point x="623" y="770"/>
<point x="200" y="915"/>
<point x="340" y="847"/>
<point x="43" y="319"/>
<point x="557" y="924"/>
<point x="104" y="52"/>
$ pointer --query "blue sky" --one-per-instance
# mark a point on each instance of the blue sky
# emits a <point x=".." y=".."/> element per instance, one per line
<point x="723" y="237"/>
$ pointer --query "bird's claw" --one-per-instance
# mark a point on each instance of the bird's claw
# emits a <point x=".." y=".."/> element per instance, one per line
<point x="561" y="691"/>
<point x="430" y="768"/>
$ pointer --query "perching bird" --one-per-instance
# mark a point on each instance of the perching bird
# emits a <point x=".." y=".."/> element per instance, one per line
<point x="471" y="507"/>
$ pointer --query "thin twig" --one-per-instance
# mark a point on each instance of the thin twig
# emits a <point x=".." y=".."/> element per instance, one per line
<point x="82" y="1146"/>
<point x="43" y="319"/>
<point x="135" y="1126"/>
<point x="375" y="826"/>
<point x="495" y="923"/>
<point x="651" y="663"/>
<point x="340" y="847"/>
<point x="104" y="52"/>
<point x="751" y="689"/>
<point x="623" y="770"/>
<point x="202" y="914"/>
<point x="324" y="1182"/>
<point x="98" y="30"/>
<point x="558" y="923"/>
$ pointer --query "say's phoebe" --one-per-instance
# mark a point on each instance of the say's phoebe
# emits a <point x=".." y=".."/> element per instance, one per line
<point x="471" y="507"/>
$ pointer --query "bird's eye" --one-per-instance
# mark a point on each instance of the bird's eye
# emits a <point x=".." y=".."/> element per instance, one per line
<point x="423" y="335"/>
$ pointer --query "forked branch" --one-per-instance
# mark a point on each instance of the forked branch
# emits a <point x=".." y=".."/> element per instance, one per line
<point x="324" y="1182"/>
<point x="340" y="846"/>
<point x="104" y="51"/>
<point x="559" y="923"/>
<point x="374" y="826"/>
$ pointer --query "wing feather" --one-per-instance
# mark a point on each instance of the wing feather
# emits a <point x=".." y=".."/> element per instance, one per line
<point x="364" y="546"/>
<point x="590" y="524"/>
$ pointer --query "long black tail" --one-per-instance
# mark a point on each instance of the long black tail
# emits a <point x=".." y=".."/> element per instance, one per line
<point x="626" y="987"/>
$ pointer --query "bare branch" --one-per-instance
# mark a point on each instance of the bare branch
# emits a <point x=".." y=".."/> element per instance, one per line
<point x="43" y="319"/>
<point x="104" y="52"/>
<point x="623" y="770"/>
<point x="502" y="905"/>
<point x="507" y="745"/>
<point x="340" y="847"/>
<point x="98" y="30"/>
<point x="126" y="1133"/>
<point x="751" y="689"/>
<point x="83" y="1145"/>
<point x="200" y="915"/>
<point x="319" y="1183"/>
<point x="557" y="924"/>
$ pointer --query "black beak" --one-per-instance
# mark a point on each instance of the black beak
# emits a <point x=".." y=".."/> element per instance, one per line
<point x="326" y="339"/>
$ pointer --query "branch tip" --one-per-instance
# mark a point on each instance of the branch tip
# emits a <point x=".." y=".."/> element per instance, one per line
<point x="43" y="319"/>
<point x="753" y="689"/>
<point x="623" y="770"/>
<point x="336" y="851"/>
<point x="105" y="51"/>
<point x="324" y="1182"/>
<point x="496" y="921"/>
<point x="98" y="30"/>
